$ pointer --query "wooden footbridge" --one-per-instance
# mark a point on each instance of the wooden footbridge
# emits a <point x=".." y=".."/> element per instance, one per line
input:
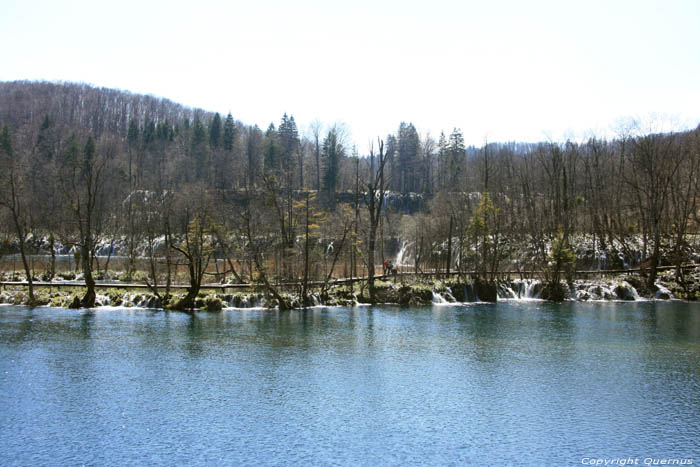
<point x="230" y="288"/>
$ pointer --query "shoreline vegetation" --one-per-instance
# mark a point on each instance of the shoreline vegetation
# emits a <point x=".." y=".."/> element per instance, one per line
<point x="180" y="197"/>
<point x="403" y="289"/>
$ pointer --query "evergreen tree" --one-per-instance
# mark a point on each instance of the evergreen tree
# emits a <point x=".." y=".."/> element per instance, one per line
<point x="271" y="152"/>
<point x="149" y="135"/>
<point x="442" y="161"/>
<point x="164" y="132"/>
<point x="456" y="158"/>
<point x="45" y="139"/>
<point x="392" y="163"/>
<point x="132" y="135"/>
<point x="89" y="156"/>
<point x="409" y="149"/>
<point x="198" y="149"/>
<point x="332" y="153"/>
<point x="289" y="142"/>
<point x="69" y="157"/>
<point x="229" y="132"/>
<point x="215" y="132"/>
<point x="198" y="133"/>
<point x="6" y="142"/>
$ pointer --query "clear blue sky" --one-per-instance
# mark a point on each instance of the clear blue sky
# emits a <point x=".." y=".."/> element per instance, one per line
<point x="502" y="70"/>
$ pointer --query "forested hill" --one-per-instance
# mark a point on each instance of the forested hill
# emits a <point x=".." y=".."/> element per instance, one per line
<point x="82" y="163"/>
<point x="84" y="108"/>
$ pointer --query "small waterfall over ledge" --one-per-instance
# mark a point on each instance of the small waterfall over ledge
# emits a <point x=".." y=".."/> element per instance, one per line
<point x="600" y="290"/>
<point x="520" y="289"/>
<point x="439" y="299"/>
<point x="443" y="297"/>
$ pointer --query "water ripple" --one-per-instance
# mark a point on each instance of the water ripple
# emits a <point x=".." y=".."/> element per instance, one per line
<point x="513" y="383"/>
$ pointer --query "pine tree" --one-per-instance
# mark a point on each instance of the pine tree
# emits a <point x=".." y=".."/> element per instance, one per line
<point x="149" y="135"/>
<point x="164" y="131"/>
<point x="332" y="153"/>
<point x="271" y="152"/>
<point x="198" y="149"/>
<point x="442" y="161"/>
<point x="392" y="163"/>
<point x="45" y="140"/>
<point x="132" y="135"/>
<point x="215" y="132"/>
<point x="409" y="148"/>
<point x="456" y="154"/>
<point x="69" y="156"/>
<point x="229" y="132"/>
<point x="289" y="142"/>
<point x="88" y="156"/>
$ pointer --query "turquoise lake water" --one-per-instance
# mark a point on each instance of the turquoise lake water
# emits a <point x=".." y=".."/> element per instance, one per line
<point x="525" y="383"/>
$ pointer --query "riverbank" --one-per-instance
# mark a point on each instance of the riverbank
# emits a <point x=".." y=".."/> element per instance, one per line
<point x="400" y="291"/>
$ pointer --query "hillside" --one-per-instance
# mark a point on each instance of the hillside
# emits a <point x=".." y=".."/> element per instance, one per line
<point x="89" y="167"/>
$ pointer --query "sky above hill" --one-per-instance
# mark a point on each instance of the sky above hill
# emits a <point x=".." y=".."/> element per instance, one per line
<point x="499" y="70"/>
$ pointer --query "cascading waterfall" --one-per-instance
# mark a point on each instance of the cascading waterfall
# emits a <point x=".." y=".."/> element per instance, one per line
<point x="102" y="300"/>
<point x="439" y="299"/>
<point x="315" y="299"/>
<point x="600" y="290"/>
<point x="521" y="289"/>
<point x="403" y="256"/>
<point x="246" y="301"/>
<point x="662" y="293"/>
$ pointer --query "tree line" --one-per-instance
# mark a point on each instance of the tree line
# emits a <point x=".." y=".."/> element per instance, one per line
<point x="184" y="186"/>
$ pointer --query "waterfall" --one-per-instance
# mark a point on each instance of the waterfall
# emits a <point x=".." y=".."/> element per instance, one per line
<point x="505" y="292"/>
<point x="443" y="297"/>
<point x="403" y="256"/>
<point x="102" y="300"/>
<point x="524" y="289"/>
<point x="662" y="293"/>
<point x="605" y="290"/>
<point x="634" y="292"/>
<point x="439" y="299"/>
<point x="315" y="299"/>
<point x="246" y="301"/>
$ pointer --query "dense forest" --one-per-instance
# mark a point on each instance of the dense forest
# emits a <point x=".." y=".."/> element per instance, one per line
<point x="84" y="167"/>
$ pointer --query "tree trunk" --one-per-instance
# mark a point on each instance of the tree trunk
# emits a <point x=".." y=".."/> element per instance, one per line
<point x="52" y="269"/>
<point x="88" y="300"/>
<point x="27" y="272"/>
<point x="654" y="260"/>
<point x="370" y="261"/>
<point x="375" y="190"/>
<point x="449" y="249"/>
<point x="305" y="288"/>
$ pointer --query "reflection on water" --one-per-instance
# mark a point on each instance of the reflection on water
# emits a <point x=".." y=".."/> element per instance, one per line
<point x="524" y="383"/>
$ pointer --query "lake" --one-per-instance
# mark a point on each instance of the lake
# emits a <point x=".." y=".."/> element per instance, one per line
<point x="526" y="383"/>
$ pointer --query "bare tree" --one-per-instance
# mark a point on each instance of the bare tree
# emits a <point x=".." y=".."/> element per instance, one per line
<point x="83" y="184"/>
<point x="655" y="160"/>
<point x="375" y="201"/>
<point x="316" y="129"/>
<point x="195" y="241"/>
<point x="13" y="198"/>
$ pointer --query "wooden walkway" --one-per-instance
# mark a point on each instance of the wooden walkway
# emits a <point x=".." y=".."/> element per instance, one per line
<point x="349" y="280"/>
<point x="223" y="287"/>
